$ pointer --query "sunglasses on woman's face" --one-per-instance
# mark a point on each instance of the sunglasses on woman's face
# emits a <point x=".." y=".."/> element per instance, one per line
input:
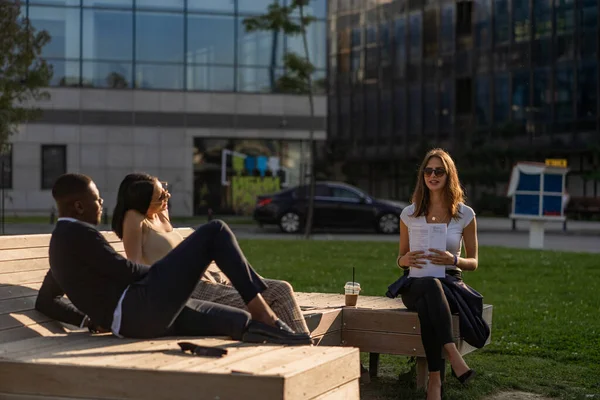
<point x="439" y="172"/>
<point x="164" y="194"/>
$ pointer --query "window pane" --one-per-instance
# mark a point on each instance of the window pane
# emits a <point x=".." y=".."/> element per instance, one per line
<point x="565" y="16"/>
<point x="414" y="112"/>
<point x="203" y="77"/>
<point x="501" y="103"/>
<point x="175" y="5"/>
<point x="357" y="119"/>
<point x="159" y="37"/>
<point x="372" y="112"/>
<point x="108" y="3"/>
<point x="542" y="98"/>
<point x="588" y="44"/>
<point x="542" y="10"/>
<point x="66" y="73"/>
<point x="107" y="35"/>
<point x="521" y="22"/>
<point x="564" y="48"/>
<point x="430" y="108"/>
<point x="400" y="47"/>
<point x="316" y="36"/>
<point x="520" y="94"/>
<point x="210" y="39"/>
<point x="399" y="111"/>
<point x="541" y="52"/>
<point x="226" y="6"/>
<point x="257" y="79"/>
<point x="482" y="100"/>
<point x="257" y="48"/>
<point x="501" y="24"/>
<point x="316" y="8"/>
<point x="107" y="75"/>
<point x="563" y="93"/>
<point x="372" y="63"/>
<point x="416" y="21"/>
<point x="446" y="106"/>
<point x="447" y="28"/>
<point x="587" y="84"/>
<point x="254" y="6"/>
<point x="386" y="113"/>
<point x="153" y="76"/>
<point x="6" y="166"/>
<point x="67" y="3"/>
<point x="54" y="164"/>
<point x="63" y="26"/>
<point x="430" y="33"/>
<point x="483" y="24"/>
<point x="588" y="14"/>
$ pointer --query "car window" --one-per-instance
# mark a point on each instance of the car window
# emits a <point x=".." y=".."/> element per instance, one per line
<point x="320" y="190"/>
<point x="345" y="193"/>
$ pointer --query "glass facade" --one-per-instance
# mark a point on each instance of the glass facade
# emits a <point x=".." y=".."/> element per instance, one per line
<point x="456" y="71"/>
<point x="196" y="45"/>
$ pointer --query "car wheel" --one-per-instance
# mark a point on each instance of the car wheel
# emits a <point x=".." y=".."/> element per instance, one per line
<point x="388" y="223"/>
<point x="290" y="222"/>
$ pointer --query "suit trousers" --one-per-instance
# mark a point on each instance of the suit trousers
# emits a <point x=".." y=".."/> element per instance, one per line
<point x="160" y="303"/>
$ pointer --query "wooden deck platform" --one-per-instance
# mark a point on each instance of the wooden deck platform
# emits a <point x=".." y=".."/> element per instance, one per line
<point x="42" y="359"/>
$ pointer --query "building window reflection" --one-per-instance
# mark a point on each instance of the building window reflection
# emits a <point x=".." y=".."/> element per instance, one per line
<point x="230" y="173"/>
<point x="210" y="39"/>
<point x="107" y="35"/>
<point x="587" y="90"/>
<point x="563" y="93"/>
<point x="114" y="75"/>
<point x="501" y="22"/>
<point x="501" y="98"/>
<point x="63" y="25"/>
<point x="159" y="37"/>
<point x="159" y="76"/>
<point x="482" y="100"/>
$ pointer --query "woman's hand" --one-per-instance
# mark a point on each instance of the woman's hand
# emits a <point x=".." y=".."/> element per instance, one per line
<point x="413" y="259"/>
<point x="439" y="257"/>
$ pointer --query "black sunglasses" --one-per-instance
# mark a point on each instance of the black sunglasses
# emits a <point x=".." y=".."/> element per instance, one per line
<point x="434" y="171"/>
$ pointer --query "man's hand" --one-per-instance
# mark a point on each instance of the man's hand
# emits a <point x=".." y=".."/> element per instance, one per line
<point x="93" y="328"/>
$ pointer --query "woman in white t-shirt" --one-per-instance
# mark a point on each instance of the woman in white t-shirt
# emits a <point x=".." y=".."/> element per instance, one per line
<point x="438" y="199"/>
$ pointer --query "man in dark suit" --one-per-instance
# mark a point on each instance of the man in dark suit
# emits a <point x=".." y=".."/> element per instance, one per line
<point x="110" y="293"/>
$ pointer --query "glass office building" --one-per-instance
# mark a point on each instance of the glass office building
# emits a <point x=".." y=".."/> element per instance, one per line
<point x="175" y="88"/>
<point x="518" y="78"/>
<point x="196" y="45"/>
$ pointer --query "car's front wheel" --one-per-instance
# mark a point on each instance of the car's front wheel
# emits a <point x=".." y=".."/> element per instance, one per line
<point x="388" y="223"/>
<point x="290" y="222"/>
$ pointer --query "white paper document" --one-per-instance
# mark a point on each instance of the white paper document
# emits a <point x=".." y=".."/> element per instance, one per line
<point x="425" y="237"/>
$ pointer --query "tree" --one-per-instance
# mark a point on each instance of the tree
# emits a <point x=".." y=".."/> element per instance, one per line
<point x="23" y="73"/>
<point x="298" y="76"/>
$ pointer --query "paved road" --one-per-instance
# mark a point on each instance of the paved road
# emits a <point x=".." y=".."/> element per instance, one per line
<point x="580" y="236"/>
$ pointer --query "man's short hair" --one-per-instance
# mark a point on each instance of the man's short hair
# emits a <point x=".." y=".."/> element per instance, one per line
<point x="68" y="185"/>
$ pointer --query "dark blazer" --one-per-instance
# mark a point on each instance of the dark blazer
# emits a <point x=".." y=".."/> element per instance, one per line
<point x="461" y="297"/>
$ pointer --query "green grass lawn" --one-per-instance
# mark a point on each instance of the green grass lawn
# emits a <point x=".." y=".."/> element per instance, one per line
<point x="545" y="333"/>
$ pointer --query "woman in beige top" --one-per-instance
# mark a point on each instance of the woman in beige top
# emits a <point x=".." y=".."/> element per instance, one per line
<point x="141" y="220"/>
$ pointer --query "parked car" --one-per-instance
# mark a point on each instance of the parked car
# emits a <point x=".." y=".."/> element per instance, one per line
<point x="337" y="205"/>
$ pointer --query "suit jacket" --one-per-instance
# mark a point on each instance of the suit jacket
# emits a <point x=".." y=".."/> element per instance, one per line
<point x="461" y="297"/>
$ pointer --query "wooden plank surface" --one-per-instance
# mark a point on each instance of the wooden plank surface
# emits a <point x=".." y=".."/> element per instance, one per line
<point x="43" y="240"/>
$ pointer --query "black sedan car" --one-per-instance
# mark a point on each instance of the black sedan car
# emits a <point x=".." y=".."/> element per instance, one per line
<point x="337" y="205"/>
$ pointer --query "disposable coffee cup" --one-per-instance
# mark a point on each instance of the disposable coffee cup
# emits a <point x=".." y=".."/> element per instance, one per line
<point x="352" y="289"/>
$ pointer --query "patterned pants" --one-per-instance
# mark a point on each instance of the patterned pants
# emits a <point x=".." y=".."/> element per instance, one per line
<point x="215" y="287"/>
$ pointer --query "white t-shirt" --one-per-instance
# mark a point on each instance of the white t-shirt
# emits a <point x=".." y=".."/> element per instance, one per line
<point x="454" y="235"/>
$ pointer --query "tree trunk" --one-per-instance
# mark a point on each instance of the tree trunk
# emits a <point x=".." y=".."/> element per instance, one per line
<point x="311" y="139"/>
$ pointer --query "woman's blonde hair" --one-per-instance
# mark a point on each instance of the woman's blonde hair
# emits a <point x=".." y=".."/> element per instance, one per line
<point x="453" y="193"/>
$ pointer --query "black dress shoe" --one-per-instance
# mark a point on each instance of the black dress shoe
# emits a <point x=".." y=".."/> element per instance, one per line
<point x="258" y="332"/>
<point x="466" y="377"/>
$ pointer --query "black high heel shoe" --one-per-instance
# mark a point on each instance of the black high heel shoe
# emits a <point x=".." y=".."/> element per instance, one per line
<point x="466" y="377"/>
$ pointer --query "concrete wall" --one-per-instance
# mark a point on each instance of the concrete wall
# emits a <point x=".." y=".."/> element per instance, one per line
<point x="109" y="133"/>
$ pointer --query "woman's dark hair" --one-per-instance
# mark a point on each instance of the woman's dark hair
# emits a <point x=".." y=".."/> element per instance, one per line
<point x="135" y="193"/>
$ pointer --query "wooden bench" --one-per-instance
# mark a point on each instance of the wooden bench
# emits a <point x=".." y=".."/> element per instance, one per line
<point x="377" y="325"/>
<point x="43" y="359"/>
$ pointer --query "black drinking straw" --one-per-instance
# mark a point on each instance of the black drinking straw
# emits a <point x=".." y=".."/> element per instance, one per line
<point x="352" y="279"/>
